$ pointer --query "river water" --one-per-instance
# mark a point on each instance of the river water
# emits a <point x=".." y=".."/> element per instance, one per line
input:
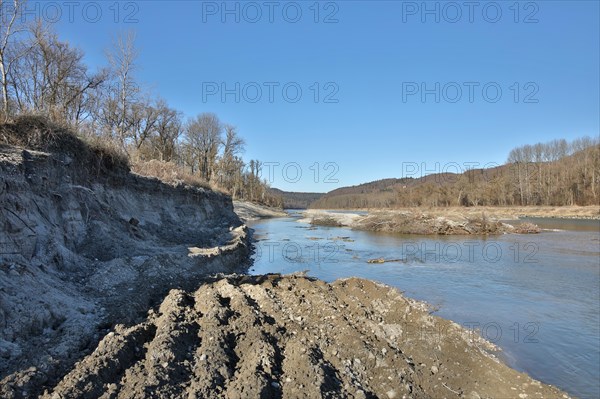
<point x="535" y="296"/>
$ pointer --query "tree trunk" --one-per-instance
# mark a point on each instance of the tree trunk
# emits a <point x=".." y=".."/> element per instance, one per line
<point x="4" y="74"/>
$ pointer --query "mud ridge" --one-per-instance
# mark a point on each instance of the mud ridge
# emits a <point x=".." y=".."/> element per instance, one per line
<point x="291" y="337"/>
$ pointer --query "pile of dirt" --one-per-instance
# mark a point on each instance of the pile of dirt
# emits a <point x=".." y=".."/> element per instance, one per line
<point x="84" y="249"/>
<point x="290" y="337"/>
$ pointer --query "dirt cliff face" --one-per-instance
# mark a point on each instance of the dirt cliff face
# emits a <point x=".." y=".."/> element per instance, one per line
<point x="80" y="252"/>
<point x="294" y="337"/>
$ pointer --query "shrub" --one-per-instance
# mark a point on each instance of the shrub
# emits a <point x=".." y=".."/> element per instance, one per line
<point x="325" y="221"/>
<point x="527" y="228"/>
<point x="168" y="172"/>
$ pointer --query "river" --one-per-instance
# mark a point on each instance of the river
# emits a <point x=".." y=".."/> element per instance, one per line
<point x="535" y="296"/>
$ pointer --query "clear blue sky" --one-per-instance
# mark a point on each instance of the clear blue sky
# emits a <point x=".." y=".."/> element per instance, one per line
<point x="376" y="56"/>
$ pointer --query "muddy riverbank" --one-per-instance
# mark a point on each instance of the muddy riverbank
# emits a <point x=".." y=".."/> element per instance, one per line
<point x="290" y="337"/>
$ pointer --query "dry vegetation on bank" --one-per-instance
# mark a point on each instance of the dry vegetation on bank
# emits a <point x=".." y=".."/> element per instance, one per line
<point x="553" y="174"/>
<point x="419" y="222"/>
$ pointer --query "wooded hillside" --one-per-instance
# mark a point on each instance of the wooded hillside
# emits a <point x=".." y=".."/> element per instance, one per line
<point x="292" y="200"/>
<point x="554" y="173"/>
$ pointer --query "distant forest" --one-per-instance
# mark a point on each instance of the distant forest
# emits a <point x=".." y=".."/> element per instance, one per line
<point x="554" y="173"/>
<point x="291" y="200"/>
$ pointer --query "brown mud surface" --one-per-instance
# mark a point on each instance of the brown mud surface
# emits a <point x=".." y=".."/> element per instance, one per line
<point x="292" y="337"/>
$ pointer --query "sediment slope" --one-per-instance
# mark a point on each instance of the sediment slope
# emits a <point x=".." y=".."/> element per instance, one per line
<point x="294" y="337"/>
<point x="81" y="251"/>
<point x="248" y="211"/>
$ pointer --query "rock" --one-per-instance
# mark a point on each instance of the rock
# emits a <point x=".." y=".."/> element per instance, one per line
<point x="27" y="155"/>
<point x="360" y="394"/>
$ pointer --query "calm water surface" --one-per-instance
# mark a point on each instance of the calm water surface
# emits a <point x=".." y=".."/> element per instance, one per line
<point x="535" y="296"/>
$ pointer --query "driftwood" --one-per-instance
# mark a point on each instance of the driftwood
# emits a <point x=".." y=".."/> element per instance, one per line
<point x="381" y="260"/>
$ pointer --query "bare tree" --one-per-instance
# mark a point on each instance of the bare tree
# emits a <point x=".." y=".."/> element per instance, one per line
<point x="122" y="58"/>
<point x="142" y="119"/>
<point x="168" y="129"/>
<point x="203" y="135"/>
<point x="254" y="183"/>
<point x="10" y="15"/>
<point x="233" y="146"/>
<point x="52" y="78"/>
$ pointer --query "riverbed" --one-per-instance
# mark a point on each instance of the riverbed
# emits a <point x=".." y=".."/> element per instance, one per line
<point x="535" y="296"/>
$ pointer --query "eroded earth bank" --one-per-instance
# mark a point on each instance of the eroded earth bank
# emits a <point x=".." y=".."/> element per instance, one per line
<point x="86" y="246"/>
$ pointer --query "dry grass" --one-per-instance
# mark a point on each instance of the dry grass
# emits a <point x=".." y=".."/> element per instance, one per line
<point x="38" y="133"/>
<point x="169" y="173"/>
<point x="92" y="154"/>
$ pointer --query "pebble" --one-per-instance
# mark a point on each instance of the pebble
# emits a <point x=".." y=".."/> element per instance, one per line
<point x="391" y="394"/>
<point x="202" y="357"/>
<point x="434" y="369"/>
<point x="360" y="394"/>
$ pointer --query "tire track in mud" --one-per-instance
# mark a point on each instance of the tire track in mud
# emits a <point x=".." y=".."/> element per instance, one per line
<point x="292" y="337"/>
